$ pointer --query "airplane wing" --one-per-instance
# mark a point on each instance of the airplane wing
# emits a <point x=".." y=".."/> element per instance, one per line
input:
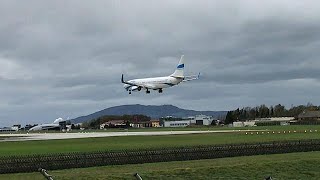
<point x="149" y="86"/>
<point x="190" y="78"/>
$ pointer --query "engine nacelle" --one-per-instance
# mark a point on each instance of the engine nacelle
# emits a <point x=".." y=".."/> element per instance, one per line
<point x="134" y="88"/>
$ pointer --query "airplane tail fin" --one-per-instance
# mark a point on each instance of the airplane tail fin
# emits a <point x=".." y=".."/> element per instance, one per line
<point x="179" y="71"/>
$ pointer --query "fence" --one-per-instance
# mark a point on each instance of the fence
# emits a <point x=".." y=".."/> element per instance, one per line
<point x="19" y="164"/>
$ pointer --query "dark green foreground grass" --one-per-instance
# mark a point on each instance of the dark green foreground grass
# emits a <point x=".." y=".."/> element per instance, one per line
<point x="279" y="166"/>
<point x="142" y="142"/>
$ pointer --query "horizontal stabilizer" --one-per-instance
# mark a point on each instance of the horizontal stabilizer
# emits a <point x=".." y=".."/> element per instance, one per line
<point x="190" y="78"/>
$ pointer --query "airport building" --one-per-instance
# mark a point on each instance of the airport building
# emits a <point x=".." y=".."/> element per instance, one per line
<point x="155" y="123"/>
<point x="11" y="129"/>
<point x="183" y="123"/>
<point x="7" y="129"/>
<point x="114" y="124"/>
<point x="16" y="127"/>
<point x="146" y="124"/>
<point x="202" y="120"/>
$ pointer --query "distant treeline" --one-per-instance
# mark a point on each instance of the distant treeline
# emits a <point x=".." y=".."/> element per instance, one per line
<point x="95" y="123"/>
<point x="262" y="111"/>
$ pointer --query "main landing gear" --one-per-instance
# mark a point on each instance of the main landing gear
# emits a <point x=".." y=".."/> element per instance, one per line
<point x="148" y="92"/>
<point x="130" y="92"/>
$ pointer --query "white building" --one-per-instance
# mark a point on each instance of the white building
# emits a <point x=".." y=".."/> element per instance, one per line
<point x="7" y="129"/>
<point x="184" y="123"/>
<point x="195" y="120"/>
<point x="201" y="120"/>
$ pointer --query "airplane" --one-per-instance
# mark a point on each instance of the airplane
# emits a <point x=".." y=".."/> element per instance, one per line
<point x="158" y="83"/>
<point x="53" y="126"/>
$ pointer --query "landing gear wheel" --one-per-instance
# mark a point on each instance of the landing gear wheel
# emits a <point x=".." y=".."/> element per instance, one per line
<point x="129" y="92"/>
<point x="148" y="92"/>
<point x="160" y="91"/>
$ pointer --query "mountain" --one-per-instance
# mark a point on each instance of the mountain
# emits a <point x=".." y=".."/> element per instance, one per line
<point x="154" y="112"/>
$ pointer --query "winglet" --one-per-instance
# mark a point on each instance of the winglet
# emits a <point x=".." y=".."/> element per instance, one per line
<point x="122" y="79"/>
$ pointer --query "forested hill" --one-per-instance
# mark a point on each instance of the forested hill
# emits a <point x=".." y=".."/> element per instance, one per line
<point x="152" y="111"/>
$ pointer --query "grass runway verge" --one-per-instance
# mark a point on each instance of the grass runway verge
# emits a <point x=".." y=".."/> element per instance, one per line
<point x="279" y="166"/>
<point x="154" y="142"/>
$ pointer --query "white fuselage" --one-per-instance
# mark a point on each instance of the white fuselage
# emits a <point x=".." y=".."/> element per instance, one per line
<point x="153" y="83"/>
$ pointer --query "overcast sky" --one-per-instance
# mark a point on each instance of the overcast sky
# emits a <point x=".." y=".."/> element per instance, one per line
<point x="65" y="58"/>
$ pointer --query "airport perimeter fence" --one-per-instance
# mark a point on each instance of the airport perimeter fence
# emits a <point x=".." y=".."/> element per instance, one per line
<point x="31" y="163"/>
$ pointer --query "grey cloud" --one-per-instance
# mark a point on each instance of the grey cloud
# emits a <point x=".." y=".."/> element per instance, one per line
<point x="66" y="58"/>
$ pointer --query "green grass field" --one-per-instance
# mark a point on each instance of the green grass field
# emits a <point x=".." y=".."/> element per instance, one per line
<point x="282" y="166"/>
<point x="153" y="142"/>
<point x="279" y="166"/>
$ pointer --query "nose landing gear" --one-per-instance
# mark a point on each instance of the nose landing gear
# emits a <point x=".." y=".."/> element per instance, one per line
<point x="160" y="91"/>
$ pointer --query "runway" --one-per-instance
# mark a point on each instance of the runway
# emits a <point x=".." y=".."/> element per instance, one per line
<point x="51" y="136"/>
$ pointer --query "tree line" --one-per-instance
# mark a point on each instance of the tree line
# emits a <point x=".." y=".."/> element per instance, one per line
<point x="262" y="111"/>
